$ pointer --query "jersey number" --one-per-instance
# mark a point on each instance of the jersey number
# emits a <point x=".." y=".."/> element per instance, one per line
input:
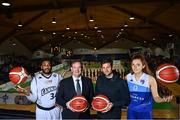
<point x="52" y="96"/>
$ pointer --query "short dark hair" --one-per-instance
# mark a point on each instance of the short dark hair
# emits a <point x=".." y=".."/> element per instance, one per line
<point x="77" y="60"/>
<point x="107" y="61"/>
<point x="46" y="59"/>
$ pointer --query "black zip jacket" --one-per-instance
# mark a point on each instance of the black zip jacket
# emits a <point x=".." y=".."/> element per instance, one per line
<point x="116" y="89"/>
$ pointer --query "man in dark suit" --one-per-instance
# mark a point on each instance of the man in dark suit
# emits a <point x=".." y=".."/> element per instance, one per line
<point x="68" y="88"/>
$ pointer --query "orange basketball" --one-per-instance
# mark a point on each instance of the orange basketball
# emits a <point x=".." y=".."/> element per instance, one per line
<point x="100" y="103"/>
<point x="18" y="75"/>
<point x="78" y="103"/>
<point x="167" y="73"/>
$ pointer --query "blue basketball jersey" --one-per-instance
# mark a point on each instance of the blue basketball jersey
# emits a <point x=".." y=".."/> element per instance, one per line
<point x="140" y="93"/>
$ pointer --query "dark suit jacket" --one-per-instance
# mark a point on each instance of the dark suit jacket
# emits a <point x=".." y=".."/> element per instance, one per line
<point x="66" y="91"/>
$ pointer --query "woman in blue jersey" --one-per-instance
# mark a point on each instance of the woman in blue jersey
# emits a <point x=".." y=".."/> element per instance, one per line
<point x="143" y="89"/>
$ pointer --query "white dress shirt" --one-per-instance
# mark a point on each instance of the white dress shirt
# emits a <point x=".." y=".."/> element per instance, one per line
<point x="74" y="81"/>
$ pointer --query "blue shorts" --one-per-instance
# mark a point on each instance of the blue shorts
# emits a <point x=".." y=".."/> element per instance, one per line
<point x="131" y="114"/>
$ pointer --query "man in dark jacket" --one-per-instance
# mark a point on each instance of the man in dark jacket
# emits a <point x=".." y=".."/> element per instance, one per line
<point x="68" y="88"/>
<point x="116" y="89"/>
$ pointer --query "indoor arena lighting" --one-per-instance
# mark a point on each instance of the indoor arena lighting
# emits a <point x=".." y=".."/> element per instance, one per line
<point x="95" y="27"/>
<point x="5" y="3"/>
<point x="41" y="29"/>
<point x="125" y="24"/>
<point x="91" y="19"/>
<point x="131" y="17"/>
<point x="54" y="21"/>
<point x="67" y="27"/>
<point x="20" y="24"/>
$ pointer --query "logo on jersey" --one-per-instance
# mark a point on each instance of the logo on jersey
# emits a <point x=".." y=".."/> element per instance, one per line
<point x="135" y="88"/>
<point x="136" y="97"/>
<point x="54" y="75"/>
<point x="142" y="81"/>
<point x="49" y="81"/>
<point x="45" y="91"/>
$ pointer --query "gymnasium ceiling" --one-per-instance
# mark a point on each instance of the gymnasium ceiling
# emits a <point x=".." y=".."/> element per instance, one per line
<point x="156" y="22"/>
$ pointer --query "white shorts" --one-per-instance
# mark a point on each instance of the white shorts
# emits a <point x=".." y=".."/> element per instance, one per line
<point x="54" y="114"/>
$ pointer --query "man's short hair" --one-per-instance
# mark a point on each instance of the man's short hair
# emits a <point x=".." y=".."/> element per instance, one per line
<point x="77" y="60"/>
<point x="107" y="61"/>
<point x="46" y="59"/>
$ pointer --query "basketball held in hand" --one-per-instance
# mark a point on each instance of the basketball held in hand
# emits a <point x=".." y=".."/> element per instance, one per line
<point x="18" y="75"/>
<point x="100" y="103"/>
<point x="78" y="104"/>
<point x="167" y="73"/>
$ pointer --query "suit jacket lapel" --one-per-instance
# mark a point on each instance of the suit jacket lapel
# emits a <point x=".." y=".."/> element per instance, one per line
<point x="72" y="87"/>
<point x="83" y="85"/>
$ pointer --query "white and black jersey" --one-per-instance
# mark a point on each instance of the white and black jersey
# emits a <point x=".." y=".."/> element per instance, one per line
<point x="43" y="92"/>
<point x="43" y="89"/>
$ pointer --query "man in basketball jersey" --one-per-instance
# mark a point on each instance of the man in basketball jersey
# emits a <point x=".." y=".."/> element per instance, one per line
<point x="143" y="89"/>
<point x="43" y="92"/>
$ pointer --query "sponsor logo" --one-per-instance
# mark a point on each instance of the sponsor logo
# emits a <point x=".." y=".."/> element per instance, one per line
<point x="142" y="81"/>
<point x="54" y="75"/>
<point x="45" y="91"/>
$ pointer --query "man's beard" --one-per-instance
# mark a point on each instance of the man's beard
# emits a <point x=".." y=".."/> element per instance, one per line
<point x="46" y="71"/>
